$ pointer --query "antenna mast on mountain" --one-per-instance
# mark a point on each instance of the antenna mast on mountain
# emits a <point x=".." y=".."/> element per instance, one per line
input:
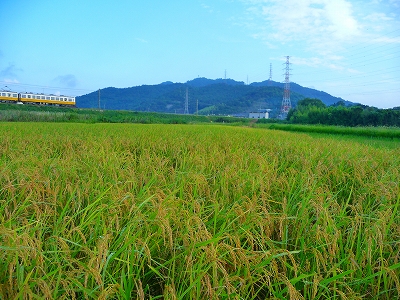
<point x="270" y="74"/>
<point x="187" y="102"/>
<point x="286" y="105"/>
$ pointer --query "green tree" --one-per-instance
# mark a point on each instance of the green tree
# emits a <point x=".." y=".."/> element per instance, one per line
<point x="306" y="102"/>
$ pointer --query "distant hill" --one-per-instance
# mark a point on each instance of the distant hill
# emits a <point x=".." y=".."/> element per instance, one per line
<point x="208" y="96"/>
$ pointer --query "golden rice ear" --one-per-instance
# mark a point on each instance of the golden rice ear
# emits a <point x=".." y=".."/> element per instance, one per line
<point x="200" y="212"/>
<point x="139" y="289"/>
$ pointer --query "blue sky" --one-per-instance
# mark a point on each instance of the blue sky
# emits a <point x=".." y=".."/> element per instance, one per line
<point x="348" y="48"/>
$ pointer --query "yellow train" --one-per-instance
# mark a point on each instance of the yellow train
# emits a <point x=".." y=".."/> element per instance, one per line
<point x="32" y="98"/>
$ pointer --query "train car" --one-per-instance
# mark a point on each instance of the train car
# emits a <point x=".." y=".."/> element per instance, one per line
<point x="32" y="98"/>
<point x="46" y="99"/>
<point x="8" y="96"/>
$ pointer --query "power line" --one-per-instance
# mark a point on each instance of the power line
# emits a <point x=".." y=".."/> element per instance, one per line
<point x="360" y="51"/>
<point x="42" y="86"/>
<point x="358" y="45"/>
<point x="373" y="92"/>
<point x="356" y="76"/>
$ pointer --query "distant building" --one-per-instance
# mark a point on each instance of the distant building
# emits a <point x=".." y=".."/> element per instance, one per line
<point x="260" y="114"/>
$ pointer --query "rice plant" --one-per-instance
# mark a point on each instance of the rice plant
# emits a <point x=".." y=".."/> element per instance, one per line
<point x="134" y="211"/>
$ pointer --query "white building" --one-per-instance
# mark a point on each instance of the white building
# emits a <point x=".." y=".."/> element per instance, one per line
<point x="260" y="114"/>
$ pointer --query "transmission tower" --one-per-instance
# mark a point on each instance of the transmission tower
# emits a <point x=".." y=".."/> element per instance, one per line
<point x="187" y="102"/>
<point x="286" y="105"/>
<point x="270" y="74"/>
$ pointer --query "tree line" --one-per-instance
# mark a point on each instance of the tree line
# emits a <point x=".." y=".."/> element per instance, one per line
<point x="314" y="111"/>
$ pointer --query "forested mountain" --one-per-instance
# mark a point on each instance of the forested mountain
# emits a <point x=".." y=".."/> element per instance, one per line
<point x="307" y="92"/>
<point x="208" y="96"/>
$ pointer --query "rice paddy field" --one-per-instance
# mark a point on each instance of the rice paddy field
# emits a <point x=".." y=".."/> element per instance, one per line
<point x="140" y="211"/>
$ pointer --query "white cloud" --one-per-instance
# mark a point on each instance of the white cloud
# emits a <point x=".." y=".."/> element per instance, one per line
<point x="317" y="23"/>
<point x="377" y="17"/>
<point x="141" y="40"/>
<point x="395" y="3"/>
<point x="332" y="62"/>
<point x="10" y="71"/>
<point x="375" y="2"/>
<point x="7" y="80"/>
<point x="207" y="7"/>
<point x="342" y="23"/>
<point x="387" y="40"/>
<point x="68" y="80"/>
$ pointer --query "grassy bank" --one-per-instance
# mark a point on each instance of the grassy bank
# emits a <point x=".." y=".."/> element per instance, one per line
<point x="37" y="113"/>
<point x="135" y="211"/>
<point x="379" y="132"/>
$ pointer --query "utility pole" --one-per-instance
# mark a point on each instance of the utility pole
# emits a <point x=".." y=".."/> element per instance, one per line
<point x="187" y="102"/>
<point x="99" y="99"/>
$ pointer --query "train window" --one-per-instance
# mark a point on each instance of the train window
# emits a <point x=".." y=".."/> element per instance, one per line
<point x="29" y="96"/>
<point x="52" y="98"/>
<point x="3" y="94"/>
<point x="15" y="95"/>
<point x="57" y="98"/>
<point x="47" y="98"/>
<point x="42" y="97"/>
